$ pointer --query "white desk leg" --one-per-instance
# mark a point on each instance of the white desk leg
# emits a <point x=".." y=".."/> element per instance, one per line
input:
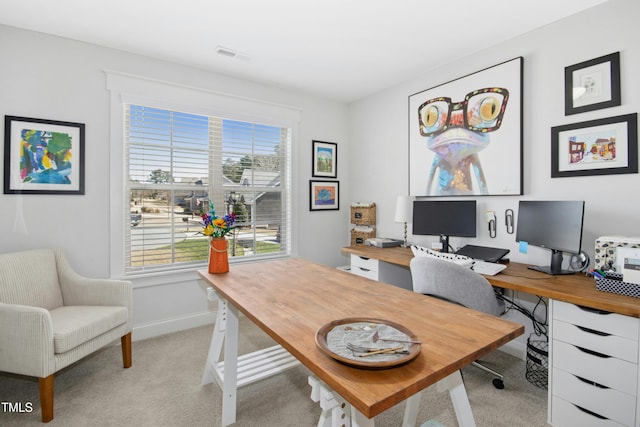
<point x="454" y="384"/>
<point x="335" y="410"/>
<point x="230" y="380"/>
<point x="217" y="339"/>
<point x="411" y="410"/>
<point x="359" y="420"/>
<point x="338" y="412"/>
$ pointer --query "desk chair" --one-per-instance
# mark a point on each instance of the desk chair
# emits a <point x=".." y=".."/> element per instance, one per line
<point x="460" y="285"/>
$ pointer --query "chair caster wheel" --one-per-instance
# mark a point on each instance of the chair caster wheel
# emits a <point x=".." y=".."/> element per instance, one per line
<point x="498" y="383"/>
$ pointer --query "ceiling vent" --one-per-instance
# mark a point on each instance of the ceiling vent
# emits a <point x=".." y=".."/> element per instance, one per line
<point x="232" y="54"/>
<point x="226" y="52"/>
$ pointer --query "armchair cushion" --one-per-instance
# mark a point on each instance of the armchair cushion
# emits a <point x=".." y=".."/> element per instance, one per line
<point x="75" y="325"/>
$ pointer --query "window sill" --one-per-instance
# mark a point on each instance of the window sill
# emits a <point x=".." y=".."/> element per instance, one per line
<point x="165" y="277"/>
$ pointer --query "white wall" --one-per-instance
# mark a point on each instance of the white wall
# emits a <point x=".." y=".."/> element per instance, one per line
<point x="59" y="79"/>
<point x="378" y="129"/>
<point x="53" y="78"/>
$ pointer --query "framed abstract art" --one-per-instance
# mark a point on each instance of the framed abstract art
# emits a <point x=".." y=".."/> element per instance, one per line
<point x="43" y="156"/>
<point x="324" y="195"/>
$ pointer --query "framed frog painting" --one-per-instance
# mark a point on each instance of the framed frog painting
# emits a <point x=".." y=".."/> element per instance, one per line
<point x="465" y="136"/>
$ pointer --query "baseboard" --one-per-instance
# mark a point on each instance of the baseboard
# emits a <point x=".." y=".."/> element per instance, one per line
<point x="516" y="349"/>
<point x="167" y="326"/>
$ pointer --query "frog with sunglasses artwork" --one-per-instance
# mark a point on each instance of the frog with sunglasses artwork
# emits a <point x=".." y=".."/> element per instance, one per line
<point x="456" y="132"/>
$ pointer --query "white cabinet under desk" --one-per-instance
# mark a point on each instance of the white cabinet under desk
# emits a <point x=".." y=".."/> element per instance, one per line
<point x="365" y="267"/>
<point x="594" y="367"/>
<point x="381" y="271"/>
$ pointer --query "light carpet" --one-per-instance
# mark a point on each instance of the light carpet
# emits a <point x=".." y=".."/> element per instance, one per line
<point x="163" y="388"/>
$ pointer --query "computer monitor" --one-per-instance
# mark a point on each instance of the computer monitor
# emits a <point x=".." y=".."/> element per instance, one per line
<point x="444" y="218"/>
<point x="555" y="225"/>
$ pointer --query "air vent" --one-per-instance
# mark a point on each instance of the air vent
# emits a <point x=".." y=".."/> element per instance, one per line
<point x="226" y="52"/>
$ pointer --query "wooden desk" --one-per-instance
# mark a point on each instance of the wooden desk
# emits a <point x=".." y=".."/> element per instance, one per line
<point x="575" y="288"/>
<point x="291" y="299"/>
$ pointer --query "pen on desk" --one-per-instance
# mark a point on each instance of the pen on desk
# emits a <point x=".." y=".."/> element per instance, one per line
<point x="597" y="275"/>
<point x="602" y="273"/>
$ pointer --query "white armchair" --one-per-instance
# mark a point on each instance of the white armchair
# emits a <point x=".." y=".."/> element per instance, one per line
<point x="50" y="317"/>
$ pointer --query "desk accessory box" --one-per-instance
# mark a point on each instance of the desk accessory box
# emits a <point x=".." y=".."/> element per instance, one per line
<point x="606" y="247"/>
<point x="605" y="259"/>
<point x="382" y="242"/>
<point x="613" y="283"/>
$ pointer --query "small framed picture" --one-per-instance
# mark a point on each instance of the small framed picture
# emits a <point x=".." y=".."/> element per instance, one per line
<point x="592" y="85"/>
<point x="43" y="156"/>
<point x="325" y="159"/>
<point x="324" y="195"/>
<point x="597" y="147"/>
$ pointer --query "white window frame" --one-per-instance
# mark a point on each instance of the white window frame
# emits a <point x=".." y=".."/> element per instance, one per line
<point x="133" y="89"/>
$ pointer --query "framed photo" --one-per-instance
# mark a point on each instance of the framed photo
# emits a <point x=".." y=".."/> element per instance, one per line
<point x="597" y="147"/>
<point x="324" y="195"/>
<point x="325" y="159"/>
<point x="43" y="156"/>
<point x="465" y="136"/>
<point x="592" y="85"/>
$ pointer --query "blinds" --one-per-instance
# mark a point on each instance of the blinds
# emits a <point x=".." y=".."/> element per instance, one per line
<point x="178" y="162"/>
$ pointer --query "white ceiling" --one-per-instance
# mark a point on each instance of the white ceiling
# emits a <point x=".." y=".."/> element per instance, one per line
<point x="339" y="49"/>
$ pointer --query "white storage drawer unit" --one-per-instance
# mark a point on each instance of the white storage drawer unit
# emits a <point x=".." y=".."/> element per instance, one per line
<point x="594" y="367"/>
<point x="381" y="271"/>
<point x="365" y="267"/>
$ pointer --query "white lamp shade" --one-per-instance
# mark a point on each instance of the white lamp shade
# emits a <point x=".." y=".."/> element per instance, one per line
<point x="404" y="209"/>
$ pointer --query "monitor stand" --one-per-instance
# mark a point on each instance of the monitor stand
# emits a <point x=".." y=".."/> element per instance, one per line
<point x="556" y="265"/>
<point x="444" y="242"/>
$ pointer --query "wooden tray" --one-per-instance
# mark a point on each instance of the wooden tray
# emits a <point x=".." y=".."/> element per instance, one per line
<point x="362" y="336"/>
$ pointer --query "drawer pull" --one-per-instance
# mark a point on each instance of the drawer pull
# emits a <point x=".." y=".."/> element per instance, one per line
<point x="593" y="353"/>
<point x="364" y="257"/>
<point x="592" y="310"/>
<point x="364" y="269"/>
<point x="593" y="383"/>
<point x="593" y="331"/>
<point x="590" y="412"/>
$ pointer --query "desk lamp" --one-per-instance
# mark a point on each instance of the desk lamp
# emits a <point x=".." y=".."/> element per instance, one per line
<point x="404" y="208"/>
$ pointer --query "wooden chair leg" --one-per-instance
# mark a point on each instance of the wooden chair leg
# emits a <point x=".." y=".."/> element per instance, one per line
<point x="46" y="398"/>
<point x="126" y="350"/>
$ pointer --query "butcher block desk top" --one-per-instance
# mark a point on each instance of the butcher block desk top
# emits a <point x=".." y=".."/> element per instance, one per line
<point x="290" y="299"/>
<point x="574" y="288"/>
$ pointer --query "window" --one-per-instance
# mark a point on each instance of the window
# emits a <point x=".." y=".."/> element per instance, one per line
<point x="178" y="162"/>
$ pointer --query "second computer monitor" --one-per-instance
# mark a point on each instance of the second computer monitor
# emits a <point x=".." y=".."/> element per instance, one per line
<point x="552" y="224"/>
